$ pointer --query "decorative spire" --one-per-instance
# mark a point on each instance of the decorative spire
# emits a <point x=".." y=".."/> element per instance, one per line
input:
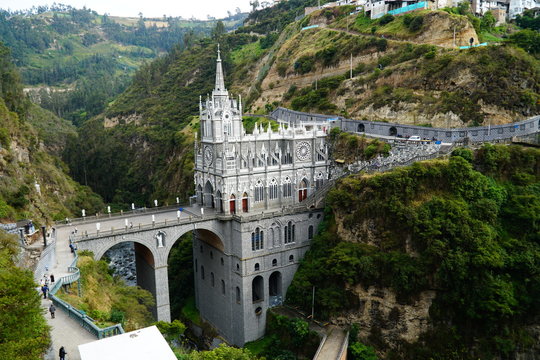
<point x="220" y="82"/>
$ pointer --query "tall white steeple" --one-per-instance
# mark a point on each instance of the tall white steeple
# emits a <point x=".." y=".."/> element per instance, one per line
<point x="219" y="88"/>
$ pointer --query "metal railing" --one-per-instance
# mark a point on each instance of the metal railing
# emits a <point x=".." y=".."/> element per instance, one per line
<point x="121" y="214"/>
<point x="84" y="320"/>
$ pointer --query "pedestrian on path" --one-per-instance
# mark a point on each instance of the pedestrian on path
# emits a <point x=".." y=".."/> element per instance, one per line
<point x="52" y="279"/>
<point x="62" y="353"/>
<point x="71" y="247"/>
<point x="44" y="289"/>
<point x="52" y="310"/>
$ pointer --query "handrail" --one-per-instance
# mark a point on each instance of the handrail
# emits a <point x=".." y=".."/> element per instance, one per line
<point x="84" y="320"/>
<point x="121" y="214"/>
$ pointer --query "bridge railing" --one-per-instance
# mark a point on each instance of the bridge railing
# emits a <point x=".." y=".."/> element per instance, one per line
<point x="127" y="213"/>
<point x="79" y="316"/>
<point x="185" y="219"/>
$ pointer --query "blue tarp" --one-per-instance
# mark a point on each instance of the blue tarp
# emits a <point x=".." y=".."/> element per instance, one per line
<point x="310" y="27"/>
<point x="468" y="47"/>
<point x="408" y="8"/>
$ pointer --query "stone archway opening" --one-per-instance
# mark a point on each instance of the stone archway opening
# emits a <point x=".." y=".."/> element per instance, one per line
<point x="361" y="128"/>
<point x="196" y="271"/>
<point x="232" y="204"/>
<point x="275" y="292"/>
<point x="392" y="131"/>
<point x="135" y="264"/>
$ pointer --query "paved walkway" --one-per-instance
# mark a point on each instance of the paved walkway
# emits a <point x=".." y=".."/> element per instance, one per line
<point x="332" y="346"/>
<point x="64" y="330"/>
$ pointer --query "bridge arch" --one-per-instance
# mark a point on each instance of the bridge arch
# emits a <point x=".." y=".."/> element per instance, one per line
<point x="392" y="131"/>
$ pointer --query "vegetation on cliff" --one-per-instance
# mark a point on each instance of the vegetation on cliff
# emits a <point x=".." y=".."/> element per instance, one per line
<point x="107" y="299"/>
<point x="24" y="334"/>
<point x="467" y="228"/>
<point x="27" y="157"/>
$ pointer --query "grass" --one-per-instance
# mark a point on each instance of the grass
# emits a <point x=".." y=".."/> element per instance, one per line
<point x="247" y="53"/>
<point x="257" y="347"/>
<point x="190" y="312"/>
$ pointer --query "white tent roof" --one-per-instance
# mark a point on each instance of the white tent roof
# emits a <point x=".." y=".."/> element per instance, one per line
<point x="142" y="344"/>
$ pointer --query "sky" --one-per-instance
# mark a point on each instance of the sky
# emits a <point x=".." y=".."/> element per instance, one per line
<point x="149" y="8"/>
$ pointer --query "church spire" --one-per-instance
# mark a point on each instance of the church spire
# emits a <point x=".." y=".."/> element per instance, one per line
<point x="220" y="82"/>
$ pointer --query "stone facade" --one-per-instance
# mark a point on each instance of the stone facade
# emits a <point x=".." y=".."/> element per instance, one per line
<point x="244" y="176"/>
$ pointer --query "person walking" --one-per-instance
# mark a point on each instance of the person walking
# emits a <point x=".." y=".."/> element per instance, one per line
<point x="52" y="279"/>
<point x="44" y="289"/>
<point x="62" y="353"/>
<point x="52" y="310"/>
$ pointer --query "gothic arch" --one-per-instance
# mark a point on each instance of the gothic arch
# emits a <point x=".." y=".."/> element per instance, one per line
<point x="208" y="194"/>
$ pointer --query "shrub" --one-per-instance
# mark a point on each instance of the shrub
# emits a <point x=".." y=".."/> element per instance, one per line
<point x="304" y="64"/>
<point x="386" y="19"/>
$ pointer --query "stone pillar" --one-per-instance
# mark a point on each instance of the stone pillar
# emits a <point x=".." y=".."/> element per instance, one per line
<point x="162" y="294"/>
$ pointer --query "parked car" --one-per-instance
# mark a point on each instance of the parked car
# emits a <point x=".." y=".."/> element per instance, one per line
<point x="415" y="138"/>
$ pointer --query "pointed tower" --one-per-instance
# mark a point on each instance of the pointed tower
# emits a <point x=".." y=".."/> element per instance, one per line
<point x="221" y="116"/>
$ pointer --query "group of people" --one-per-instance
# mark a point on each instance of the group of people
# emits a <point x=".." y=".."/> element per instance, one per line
<point x="44" y="283"/>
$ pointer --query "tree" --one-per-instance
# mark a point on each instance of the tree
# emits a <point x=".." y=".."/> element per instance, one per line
<point x="254" y="4"/>
<point x="488" y="21"/>
<point x="223" y="352"/>
<point x="218" y="31"/>
<point x="527" y="39"/>
<point x="24" y="333"/>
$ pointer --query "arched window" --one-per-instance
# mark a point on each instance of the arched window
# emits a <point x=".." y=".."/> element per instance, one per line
<point x="274" y="262"/>
<point x="287" y="188"/>
<point x="196" y="266"/>
<point x="289" y="233"/>
<point x="238" y="295"/>
<point x="259" y="191"/>
<point x="257" y="267"/>
<point x="257" y="239"/>
<point x="212" y="279"/>
<point x="291" y="258"/>
<point x="223" y="287"/>
<point x="302" y="190"/>
<point x="310" y="232"/>
<point x="273" y="189"/>
<point x="202" y="272"/>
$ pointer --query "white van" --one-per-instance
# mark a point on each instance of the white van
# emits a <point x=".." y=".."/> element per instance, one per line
<point x="415" y="138"/>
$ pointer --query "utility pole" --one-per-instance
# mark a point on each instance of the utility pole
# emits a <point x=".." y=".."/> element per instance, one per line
<point x="313" y="305"/>
<point x="351" y="66"/>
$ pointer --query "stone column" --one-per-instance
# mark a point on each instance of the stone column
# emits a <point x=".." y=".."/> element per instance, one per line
<point x="162" y="294"/>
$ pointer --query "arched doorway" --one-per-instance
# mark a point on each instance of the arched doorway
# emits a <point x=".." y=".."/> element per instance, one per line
<point x="245" y="202"/>
<point x="392" y="131"/>
<point x="361" y="128"/>
<point x="275" y="294"/>
<point x="219" y="206"/>
<point x="302" y="190"/>
<point x="208" y="195"/>
<point x="232" y="204"/>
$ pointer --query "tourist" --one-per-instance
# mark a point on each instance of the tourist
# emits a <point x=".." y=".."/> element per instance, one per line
<point x="44" y="289"/>
<point x="71" y="247"/>
<point x="52" y="279"/>
<point x="62" y="353"/>
<point x="52" y="310"/>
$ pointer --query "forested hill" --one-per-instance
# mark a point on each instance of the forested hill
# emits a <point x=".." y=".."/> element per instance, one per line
<point x="31" y="139"/>
<point x="74" y="60"/>
<point x="139" y="147"/>
<point x="438" y="260"/>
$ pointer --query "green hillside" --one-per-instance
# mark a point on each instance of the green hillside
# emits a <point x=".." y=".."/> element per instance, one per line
<point x="462" y="233"/>
<point x="29" y="139"/>
<point x="76" y="61"/>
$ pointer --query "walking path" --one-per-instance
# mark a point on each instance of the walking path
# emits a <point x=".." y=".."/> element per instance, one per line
<point x="65" y="331"/>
